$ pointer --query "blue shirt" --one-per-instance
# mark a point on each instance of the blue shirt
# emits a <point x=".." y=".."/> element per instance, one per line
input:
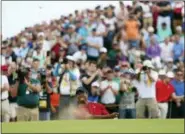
<point x="177" y="51"/>
<point x="179" y="87"/>
<point x="83" y="32"/>
<point x="93" y="98"/>
<point x="23" y="52"/>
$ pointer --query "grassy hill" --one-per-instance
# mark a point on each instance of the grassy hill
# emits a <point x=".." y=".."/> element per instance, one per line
<point x="97" y="126"/>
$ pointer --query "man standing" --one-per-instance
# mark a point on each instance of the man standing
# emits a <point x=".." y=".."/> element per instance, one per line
<point x="5" y="108"/>
<point x="109" y="90"/>
<point x="178" y="83"/>
<point x="14" y="82"/>
<point x="94" y="43"/>
<point x="145" y="85"/>
<point x="28" y="97"/>
<point x="164" y="92"/>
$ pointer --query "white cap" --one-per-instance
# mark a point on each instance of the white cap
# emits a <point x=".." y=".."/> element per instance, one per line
<point x="150" y="29"/>
<point x="95" y="84"/>
<point x="169" y="60"/>
<point x="162" y="72"/>
<point x="40" y="34"/>
<point x="170" y="74"/>
<point x="71" y="58"/>
<point x="103" y="50"/>
<point x="23" y="40"/>
<point x="148" y="63"/>
<point x="178" y="28"/>
<point x="137" y="71"/>
<point x="102" y="17"/>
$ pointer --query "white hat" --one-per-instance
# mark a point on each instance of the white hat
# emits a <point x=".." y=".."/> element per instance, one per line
<point x="40" y="34"/>
<point x="71" y="58"/>
<point x="148" y="63"/>
<point x="170" y="74"/>
<point x="137" y="71"/>
<point x="169" y="59"/>
<point x="178" y="28"/>
<point x="162" y="72"/>
<point x="23" y="40"/>
<point x="150" y="29"/>
<point x="103" y="50"/>
<point x="95" y="84"/>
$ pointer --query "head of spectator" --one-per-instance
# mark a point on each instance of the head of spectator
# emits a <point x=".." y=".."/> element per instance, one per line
<point x="162" y="74"/>
<point x="169" y="77"/>
<point x="49" y="70"/>
<point x="110" y="75"/>
<point x="3" y="50"/>
<point x="23" y="42"/>
<point x="177" y="39"/>
<point x="116" y="71"/>
<point x="35" y="64"/>
<point x="153" y="41"/>
<point x="12" y="68"/>
<point x="147" y="66"/>
<point x="92" y="67"/>
<point x="41" y="36"/>
<point x="150" y="30"/>
<point x="164" y="26"/>
<point x="71" y="61"/>
<point x="179" y="75"/>
<point x="95" y="88"/>
<point x="179" y="30"/>
<point x="103" y="52"/>
<point x="124" y="65"/>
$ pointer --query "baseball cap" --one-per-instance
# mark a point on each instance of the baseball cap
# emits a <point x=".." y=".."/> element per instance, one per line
<point x="103" y="50"/>
<point x="150" y="29"/>
<point x="162" y="72"/>
<point x="81" y="90"/>
<point x="178" y="28"/>
<point x="148" y="63"/>
<point x="71" y="58"/>
<point x="95" y="84"/>
<point x="170" y="74"/>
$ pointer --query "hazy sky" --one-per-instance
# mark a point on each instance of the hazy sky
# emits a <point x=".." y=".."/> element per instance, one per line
<point x="16" y="15"/>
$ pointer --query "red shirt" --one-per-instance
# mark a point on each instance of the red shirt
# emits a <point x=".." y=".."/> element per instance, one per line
<point x="56" y="49"/>
<point x="96" y="109"/>
<point x="163" y="91"/>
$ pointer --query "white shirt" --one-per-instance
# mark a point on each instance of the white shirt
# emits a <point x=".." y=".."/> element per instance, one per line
<point x="4" y="80"/>
<point x="46" y="46"/>
<point x="65" y="85"/>
<point x="100" y="28"/>
<point x="3" y="61"/>
<point x="166" y="50"/>
<point x="145" y="90"/>
<point x="146" y="10"/>
<point x="108" y="97"/>
<point x="91" y="51"/>
<point x="111" y="22"/>
<point x="80" y="56"/>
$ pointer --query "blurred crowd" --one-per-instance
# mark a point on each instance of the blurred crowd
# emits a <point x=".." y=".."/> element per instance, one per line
<point x="130" y="59"/>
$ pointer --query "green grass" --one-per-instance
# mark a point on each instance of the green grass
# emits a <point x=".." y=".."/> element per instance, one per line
<point x="97" y="126"/>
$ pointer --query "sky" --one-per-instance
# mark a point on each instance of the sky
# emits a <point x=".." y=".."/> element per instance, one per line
<point x="16" y="15"/>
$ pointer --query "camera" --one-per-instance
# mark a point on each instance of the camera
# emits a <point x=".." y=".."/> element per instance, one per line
<point x="23" y="73"/>
<point x="145" y="68"/>
<point x="42" y="76"/>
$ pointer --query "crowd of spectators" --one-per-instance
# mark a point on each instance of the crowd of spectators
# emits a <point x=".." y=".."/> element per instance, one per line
<point x="130" y="59"/>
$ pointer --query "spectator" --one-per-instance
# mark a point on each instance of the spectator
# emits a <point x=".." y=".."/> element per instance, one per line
<point x="95" y="94"/>
<point x="5" y="107"/>
<point x="28" y="97"/>
<point x="132" y="31"/>
<point x="150" y="35"/>
<point x="109" y="90"/>
<point x="23" y="50"/>
<point x="127" y="108"/>
<point x="178" y="49"/>
<point x="164" y="16"/>
<point x="145" y="85"/>
<point x="163" y="32"/>
<point x="65" y="84"/>
<point x="39" y="54"/>
<point x="81" y="56"/>
<point x="13" y="80"/>
<point x="178" y="83"/>
<point x="166" y="49"/>
<point x="102" y="60"/>
<point x="11" y="53"/>
<point x="90" y="76"/>
<point x="94" y="44"/>
<point x="164" y="92"/>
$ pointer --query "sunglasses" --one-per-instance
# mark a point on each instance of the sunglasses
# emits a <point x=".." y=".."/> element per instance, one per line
<point x="179" y="74"/>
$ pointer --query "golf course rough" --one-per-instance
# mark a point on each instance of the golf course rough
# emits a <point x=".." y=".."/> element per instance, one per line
<point x="97" y="126"/>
